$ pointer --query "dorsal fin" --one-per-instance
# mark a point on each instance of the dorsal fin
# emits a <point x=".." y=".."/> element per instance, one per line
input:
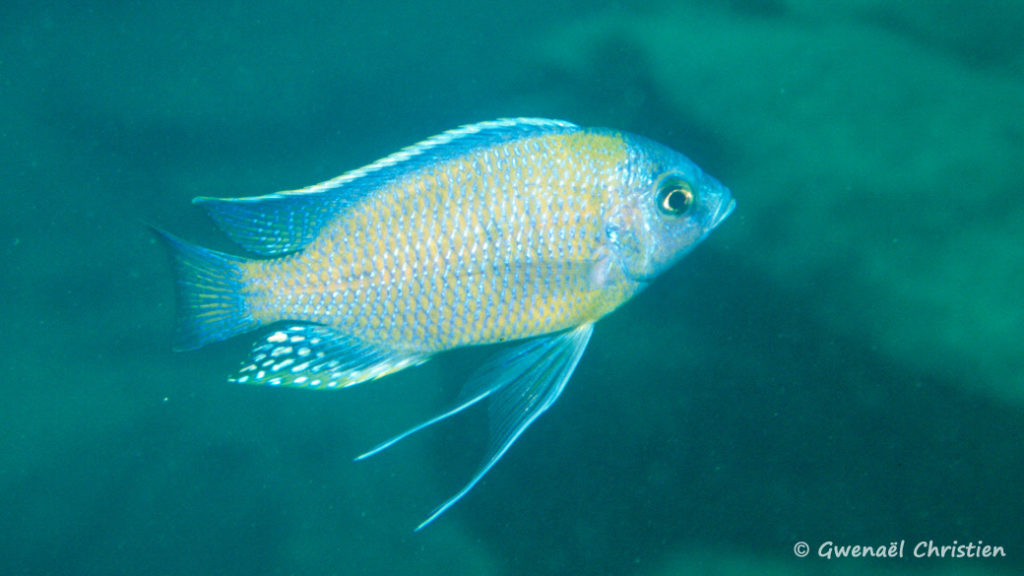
<point x="286" y="221"/>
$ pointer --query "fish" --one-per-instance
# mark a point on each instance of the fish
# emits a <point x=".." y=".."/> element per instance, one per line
<point x="517" y="231"/>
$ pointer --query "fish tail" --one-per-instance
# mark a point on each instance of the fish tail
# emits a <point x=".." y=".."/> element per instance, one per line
<point x="208" y="288"/>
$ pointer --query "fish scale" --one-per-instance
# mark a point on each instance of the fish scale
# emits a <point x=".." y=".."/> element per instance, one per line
<point x="517" y="230"/>
<point x="480" y="301"/>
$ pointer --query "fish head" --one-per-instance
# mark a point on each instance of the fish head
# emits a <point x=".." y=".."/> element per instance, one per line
<point x="664" y="206"/>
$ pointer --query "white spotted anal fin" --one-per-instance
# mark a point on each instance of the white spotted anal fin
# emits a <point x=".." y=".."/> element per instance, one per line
<point x="284" y="222"/>
<point x="520" y="384"/>
<point x="314" y="356"/>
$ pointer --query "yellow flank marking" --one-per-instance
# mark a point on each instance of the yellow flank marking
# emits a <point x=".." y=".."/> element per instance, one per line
<point x="437" y="221"/>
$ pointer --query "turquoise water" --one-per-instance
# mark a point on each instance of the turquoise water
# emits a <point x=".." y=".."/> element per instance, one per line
<point x="838" y="362"/>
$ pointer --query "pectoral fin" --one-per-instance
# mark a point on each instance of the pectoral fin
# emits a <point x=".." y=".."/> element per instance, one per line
<point x="521" y="384"/>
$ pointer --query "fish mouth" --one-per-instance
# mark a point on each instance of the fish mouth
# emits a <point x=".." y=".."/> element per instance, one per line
<point x="724" y="209"/>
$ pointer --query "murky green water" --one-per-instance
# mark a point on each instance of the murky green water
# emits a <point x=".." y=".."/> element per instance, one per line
<point x="839" y="362"/>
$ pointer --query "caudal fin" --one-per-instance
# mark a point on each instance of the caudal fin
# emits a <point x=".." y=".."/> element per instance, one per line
<point x="208" y="287"/>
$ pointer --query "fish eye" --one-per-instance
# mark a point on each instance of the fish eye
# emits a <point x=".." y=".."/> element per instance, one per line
<point x="674" y="197"/>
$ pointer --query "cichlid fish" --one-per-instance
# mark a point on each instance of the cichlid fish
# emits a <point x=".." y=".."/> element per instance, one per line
<point x="515" y="229"/>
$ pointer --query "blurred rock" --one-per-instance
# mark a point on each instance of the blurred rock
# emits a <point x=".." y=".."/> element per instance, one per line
<point x="874" y="174"/>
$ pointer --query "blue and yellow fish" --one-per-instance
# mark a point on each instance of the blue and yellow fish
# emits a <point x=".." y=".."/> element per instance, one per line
<point x="523" y="229"/>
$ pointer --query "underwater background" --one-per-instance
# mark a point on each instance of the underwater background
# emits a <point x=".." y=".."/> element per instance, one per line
<point x="839" y="362"/>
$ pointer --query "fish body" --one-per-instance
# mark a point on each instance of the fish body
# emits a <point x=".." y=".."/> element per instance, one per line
<point x="513" y="230"/>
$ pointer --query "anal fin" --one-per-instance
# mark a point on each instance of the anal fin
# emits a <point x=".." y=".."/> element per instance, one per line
<point x="314" y="356"/>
